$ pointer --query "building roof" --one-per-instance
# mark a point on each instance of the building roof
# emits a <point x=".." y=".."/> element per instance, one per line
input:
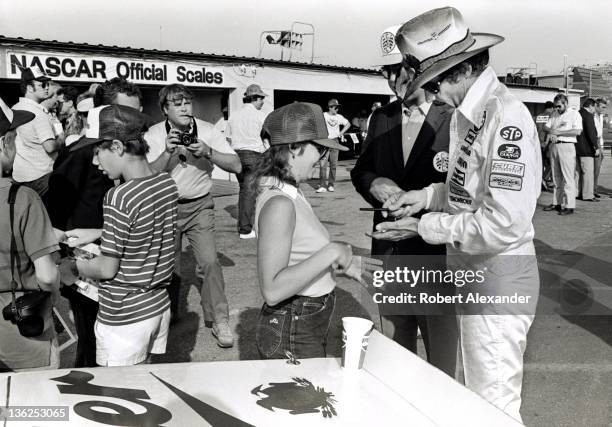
<point x="167" y="54"/>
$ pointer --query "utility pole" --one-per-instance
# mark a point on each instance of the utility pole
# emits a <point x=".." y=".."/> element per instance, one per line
<point x="565" y="73"/>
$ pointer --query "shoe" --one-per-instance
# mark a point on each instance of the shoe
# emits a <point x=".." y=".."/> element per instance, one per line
<point x="321" y="190"/>
<point x="597" y="196"/>
<point x="330" y="188"/>
<point x="250" y="235"/>
<point x="552" y="208"/>
<point x="223" y="334"/>
<point x="566" y="211"/>
<point x="591" y="200"/>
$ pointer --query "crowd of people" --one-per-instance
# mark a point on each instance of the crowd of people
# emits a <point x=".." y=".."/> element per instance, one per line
<point x="456" y="159"/>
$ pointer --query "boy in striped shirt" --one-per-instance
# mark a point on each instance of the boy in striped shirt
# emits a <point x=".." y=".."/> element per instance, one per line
<point x="137" y="244"/>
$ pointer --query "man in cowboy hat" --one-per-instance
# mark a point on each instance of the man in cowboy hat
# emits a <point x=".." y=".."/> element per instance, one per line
<point x="244" y="135"/>
<point x="405" y="141"/>
<point x="483" y="213"/>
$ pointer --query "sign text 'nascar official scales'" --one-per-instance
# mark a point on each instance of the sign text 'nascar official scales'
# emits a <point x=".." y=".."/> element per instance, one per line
<point x="66" y="67"/>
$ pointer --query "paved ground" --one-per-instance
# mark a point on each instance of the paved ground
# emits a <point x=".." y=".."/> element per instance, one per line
<point x="568" y="370"/>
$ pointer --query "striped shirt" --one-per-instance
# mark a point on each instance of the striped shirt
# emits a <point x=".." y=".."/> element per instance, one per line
<point x="139" y="229"/>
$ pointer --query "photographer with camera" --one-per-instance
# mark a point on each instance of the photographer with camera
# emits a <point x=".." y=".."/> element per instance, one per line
<point x="189" y="149"/>
<point x="29" y="279"/>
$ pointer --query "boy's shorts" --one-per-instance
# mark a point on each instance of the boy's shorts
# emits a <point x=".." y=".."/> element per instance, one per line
<point x="125" y="345"/>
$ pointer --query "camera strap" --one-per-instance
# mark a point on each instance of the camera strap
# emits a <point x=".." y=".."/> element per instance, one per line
<point x="14" y="258"/>
<point x="193" y="131"/>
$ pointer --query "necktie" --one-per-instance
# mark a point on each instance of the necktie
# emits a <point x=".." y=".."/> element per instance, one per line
<point x="407" y="134"/>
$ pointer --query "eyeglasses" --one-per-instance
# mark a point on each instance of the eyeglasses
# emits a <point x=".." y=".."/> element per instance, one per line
<point x="558" y="107"/>
<point x="177" y="102"/>
<point x="333" y="107"/>
<point x="43" y="85"/>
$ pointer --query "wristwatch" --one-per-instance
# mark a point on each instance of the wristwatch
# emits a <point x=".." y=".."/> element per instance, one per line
<point x="208" y="154"/>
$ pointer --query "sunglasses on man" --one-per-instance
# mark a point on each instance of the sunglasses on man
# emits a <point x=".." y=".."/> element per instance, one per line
<point x="43" y="85"/>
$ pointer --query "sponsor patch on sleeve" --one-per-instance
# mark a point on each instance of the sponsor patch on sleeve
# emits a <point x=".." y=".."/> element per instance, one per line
<point x="509" y="151"/>
<point x="505" y="182"/>
<point x="511" y="133"/>
<point x="542" y="119"/>
<point x="506" y="167"/>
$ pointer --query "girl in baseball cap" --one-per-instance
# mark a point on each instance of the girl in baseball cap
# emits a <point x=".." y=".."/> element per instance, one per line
<point x="296" y="259"/>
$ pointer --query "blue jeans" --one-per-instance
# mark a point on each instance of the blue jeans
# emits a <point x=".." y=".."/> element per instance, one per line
<point x="246" y="197"/>
<point x="298" y="324"/>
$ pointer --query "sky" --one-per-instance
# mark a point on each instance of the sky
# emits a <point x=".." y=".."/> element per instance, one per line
<point x="538" y="32"/>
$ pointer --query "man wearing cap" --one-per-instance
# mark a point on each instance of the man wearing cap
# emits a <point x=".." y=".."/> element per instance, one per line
<point x="244" y="135"/>
<point x="35" y="242"/>
<point x="333" y="121"/>
<point x="189" y="148"/>
<point x="483" y="213"/>
<point x="407" y="148"/>
<point x="37" y="143"/>
<point x="600" y="109"/>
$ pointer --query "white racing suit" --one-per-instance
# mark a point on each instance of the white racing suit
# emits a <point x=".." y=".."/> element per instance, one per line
<point x="484" y="215"/>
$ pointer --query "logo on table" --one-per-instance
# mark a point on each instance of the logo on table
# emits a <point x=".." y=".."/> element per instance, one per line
<point x="511" y="133"/>
<point x="509" y="151"/>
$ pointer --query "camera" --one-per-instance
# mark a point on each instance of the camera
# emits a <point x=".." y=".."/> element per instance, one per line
<point x="186" y="139"/>
<point x="27" y="312"/>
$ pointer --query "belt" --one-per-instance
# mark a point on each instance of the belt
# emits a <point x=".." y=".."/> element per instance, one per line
<point x="185" y="201"/>
<point x="564" y="142"/>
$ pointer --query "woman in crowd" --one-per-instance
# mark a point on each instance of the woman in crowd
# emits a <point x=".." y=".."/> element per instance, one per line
<point x="296" y="260"/>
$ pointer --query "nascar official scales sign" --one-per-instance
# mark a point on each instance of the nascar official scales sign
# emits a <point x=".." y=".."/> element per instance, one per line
<point x="82" y="68"/>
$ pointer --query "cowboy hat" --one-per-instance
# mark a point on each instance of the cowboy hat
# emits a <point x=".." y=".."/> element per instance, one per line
<point x="436" y="41"/>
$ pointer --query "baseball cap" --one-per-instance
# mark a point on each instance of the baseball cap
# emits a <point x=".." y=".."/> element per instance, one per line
<point x="34" y="73"/>
<point x="299" y="122"/>
<point x="110" y="122"/>
<point x="254" y="90"/>
<point x="12" y="119"/>
<point x="333" y="103"/>
<point x="389" y="52"/>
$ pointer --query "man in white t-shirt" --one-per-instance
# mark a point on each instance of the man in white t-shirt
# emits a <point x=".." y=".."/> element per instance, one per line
<point x="37" y="142"/>
<point x="563" y="126"/>
<point x="244" y="135"/>
<point x="337" y="125"/>
<point x="189" y="149"/>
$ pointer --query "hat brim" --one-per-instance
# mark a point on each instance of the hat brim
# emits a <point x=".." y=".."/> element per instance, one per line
<point x="482" y="42"/>
<point x="330" y="143"/>
<point x="84" y="142"/>
<point x="43" y="79"/>
<point x="391" y="59"/>
<point x="20" y="117"/>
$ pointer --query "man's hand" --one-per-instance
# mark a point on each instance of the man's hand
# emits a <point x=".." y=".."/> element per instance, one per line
<point x="199" y="149"/>
<point x="383" y="188"/>
<point x="553" y="138"/>
<point x="406" y="203"/>
<point x="82" y="236"/>
<point x="172" y="140"/>
<point x="401" y="229"/>
<point x="597" y="152"/>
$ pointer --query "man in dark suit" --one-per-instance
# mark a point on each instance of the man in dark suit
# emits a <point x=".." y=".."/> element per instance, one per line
<point x="407" y="148"/>
<point x="587" y="148"/>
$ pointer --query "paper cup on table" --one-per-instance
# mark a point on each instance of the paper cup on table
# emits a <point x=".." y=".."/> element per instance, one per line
<point x="355" y="335"/>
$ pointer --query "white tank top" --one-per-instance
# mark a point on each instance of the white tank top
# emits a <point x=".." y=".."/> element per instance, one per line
<point x="309" y="235"/>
